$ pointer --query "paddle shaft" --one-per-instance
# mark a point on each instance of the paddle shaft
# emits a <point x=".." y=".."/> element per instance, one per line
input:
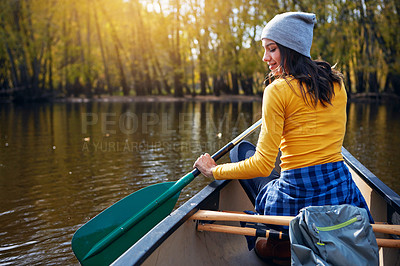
<point x="206" y="215"/>
<point x="246" y="231"/>
<point x="178" y="186"/>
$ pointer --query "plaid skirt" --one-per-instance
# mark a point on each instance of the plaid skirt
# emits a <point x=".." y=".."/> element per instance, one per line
<point x="318" y="185"/>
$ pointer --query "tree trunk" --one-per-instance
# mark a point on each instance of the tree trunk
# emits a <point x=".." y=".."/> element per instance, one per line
<point x="103" y="56"/>
<point x="203" y="83"/>
<point x="144" y="42"/>
<point x="202" y="62"/>
<point x="193" y="78"/>
<point x="235" y="83"/>
<point x="88" y="72"/>
<point x="393" y="82"/>
<point x="348" y="80"/>
<point x="348" y="83"/>
<point x="373" y="82"/>
<point x="14" y="71"/>
<point x="247" y="85"/>
<point x="68" y="87"/>
<point x="125" y="88"/>
<point x="216" y="86"/>
<point x="34" y="55"/>
<point x="81" y="53"/>
<point x="360" y="81"/>
<point x="117" y="46"/>
<point x="50" y="57"/>
<point x="42" y="82"/>
<point x="21" y="57"/>
<point x="176" y="56"/>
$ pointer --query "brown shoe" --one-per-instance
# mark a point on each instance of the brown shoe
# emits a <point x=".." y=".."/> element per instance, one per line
<point x="273" y="250"/>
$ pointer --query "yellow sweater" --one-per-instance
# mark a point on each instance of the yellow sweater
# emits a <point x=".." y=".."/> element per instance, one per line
<point x="306" y="135"/>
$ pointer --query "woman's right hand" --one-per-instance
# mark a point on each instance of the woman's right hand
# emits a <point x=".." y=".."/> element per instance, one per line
<point x="205" y="164"/>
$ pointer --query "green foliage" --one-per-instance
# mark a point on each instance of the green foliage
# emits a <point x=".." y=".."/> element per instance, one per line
<point x="140" y="47"/>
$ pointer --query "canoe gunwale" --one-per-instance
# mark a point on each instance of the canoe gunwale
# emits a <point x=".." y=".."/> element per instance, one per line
<point x="207" y="198"/>
<point x="391" y="197"/>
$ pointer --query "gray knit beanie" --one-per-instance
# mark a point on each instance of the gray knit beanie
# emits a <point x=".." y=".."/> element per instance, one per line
<point x="293" y="30"/>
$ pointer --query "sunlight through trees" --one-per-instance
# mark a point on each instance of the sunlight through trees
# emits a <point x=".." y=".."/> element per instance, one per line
<point x="58" y="48"/>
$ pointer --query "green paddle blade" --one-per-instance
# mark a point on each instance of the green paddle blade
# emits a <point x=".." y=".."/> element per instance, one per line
<point x="104" y="238"/>
<point x="111" y="218"/>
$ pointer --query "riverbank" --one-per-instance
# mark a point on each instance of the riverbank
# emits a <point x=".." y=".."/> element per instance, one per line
<point x="354" y="97"/>
<point x="148" y="98"/>
<point x="164" y="98"/>
<point x="368" y="97"/>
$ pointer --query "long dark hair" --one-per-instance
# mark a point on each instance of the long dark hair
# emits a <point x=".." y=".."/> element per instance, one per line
<point x="316" y="77"/>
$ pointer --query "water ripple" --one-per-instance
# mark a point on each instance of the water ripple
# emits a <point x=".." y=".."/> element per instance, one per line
<point x="50" y="185"/>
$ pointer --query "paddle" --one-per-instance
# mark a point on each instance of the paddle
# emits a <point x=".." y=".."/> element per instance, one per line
<point x="105" y="237"/>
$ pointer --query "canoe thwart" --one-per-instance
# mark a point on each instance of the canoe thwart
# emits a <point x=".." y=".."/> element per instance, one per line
<point x="247" y="231"/>
<point x="388" y="243"/>
<point x="206" y="215"/>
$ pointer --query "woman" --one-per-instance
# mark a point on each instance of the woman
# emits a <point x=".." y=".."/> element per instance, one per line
<point x="303" y="115"/>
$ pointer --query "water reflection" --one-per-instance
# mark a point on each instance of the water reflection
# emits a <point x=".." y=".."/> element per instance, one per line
<point x="373" y="137"/>
<point x="61" y="164"/>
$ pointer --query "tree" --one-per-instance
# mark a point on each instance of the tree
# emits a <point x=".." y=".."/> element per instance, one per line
<point x="174" y="47"/>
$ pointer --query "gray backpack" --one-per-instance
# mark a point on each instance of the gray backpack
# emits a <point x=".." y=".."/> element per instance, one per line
<point x="333" y="235"/>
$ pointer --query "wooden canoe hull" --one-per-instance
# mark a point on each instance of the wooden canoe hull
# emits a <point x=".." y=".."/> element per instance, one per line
<point x="175" y="240"/>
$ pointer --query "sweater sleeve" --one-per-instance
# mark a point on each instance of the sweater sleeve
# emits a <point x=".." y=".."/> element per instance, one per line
<point x="263" y="161"/>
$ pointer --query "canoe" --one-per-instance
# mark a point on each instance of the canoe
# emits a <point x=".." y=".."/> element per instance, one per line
<point x="175" y="240"/>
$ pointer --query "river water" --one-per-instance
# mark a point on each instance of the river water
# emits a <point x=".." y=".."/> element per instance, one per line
<point x="63" y="163"/>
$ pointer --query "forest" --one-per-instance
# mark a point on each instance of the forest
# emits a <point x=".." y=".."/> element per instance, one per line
<point x="88" y="48"/>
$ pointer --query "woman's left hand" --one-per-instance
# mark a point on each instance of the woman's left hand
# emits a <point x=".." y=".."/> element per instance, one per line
<point x="205" y="164"/>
